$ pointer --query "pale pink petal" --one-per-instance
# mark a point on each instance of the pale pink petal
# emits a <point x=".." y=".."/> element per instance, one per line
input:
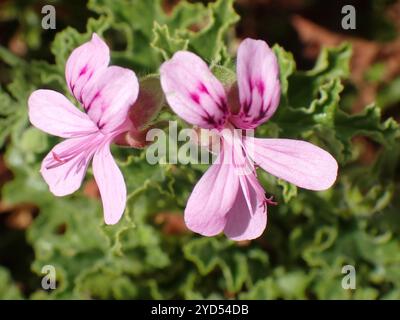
<point x="84" y="62"/>
<point x="193" y="92"/>
<point x="111" y="184"/>
<point x="53" y="113"/>
<point x="247" y="218"/>
<point x="258" y="83"/>
<point x="65" y="166"/>
<point x="109" y="95"/>
<point x="212" y="197"/>
<point x="298" y="162"/>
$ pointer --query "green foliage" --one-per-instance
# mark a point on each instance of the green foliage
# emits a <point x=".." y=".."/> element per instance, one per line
<point x="8" y="290"/>
<point x="310" y="235"/>
<point x="322" y="86"/>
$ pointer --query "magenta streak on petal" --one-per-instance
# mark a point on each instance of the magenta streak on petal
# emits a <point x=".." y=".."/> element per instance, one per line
<point x="247" y="104"/>
<point x="207" y="117"/>
<point x="82" y="162"/>
<point x="89" y="77"/>
<point x="100" y="125"/>
<point x="96" y="96"/>
<point x="221" y="104"/>
<point x="203" y="88"/>
<point x="57" y="158"/>
<point x="84" y="159"/>
<point x="195" y="97"/>
<point x="81" y="73"/>
<point x="83" y="70"/>
<point x="260" y="86"/>
<point x="79" y="161"/>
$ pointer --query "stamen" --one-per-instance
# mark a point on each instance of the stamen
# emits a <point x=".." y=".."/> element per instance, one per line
<point x="270" y="201"/>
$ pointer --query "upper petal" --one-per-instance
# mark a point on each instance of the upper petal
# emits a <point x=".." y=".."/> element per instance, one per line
<point x="212" y="197"/>
<point x="258" y="83"/>
<point x="193" y="92"/>
<point x="111" y="184"/>
<point x="298" y="162"/>
<point x="244" y="221"/>
<point x="53" y="113"/>
<point x="109" y="95"/>
<point x="65" y="166"/>
<point x="84" y="62"/>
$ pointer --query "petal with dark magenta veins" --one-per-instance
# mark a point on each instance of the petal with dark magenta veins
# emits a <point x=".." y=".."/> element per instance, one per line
<point x="109" y="95"/>
<point x="53" y="113"/>
<point x="193" y="92"/>
<point x="84" y="62"/>
<point x="258" y="83"/>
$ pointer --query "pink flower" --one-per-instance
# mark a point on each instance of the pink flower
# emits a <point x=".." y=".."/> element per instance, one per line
<point x="227" y="198"/>
<point x="106" y="93"/>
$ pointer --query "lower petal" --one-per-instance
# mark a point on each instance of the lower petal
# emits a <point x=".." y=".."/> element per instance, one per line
<point x="111" y="184"/>
<point x="212" y="198"/>
<point x="244" y="221"/>
<point x="65" y="177"/>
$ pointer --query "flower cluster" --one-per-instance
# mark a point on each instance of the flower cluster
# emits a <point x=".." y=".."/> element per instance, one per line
<point x="228" y="198"/>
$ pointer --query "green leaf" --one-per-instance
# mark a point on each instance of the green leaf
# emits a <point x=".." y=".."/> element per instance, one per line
<point x="333" y="62"/>
<point x="287" y="66"/>
<point x="323" y="117"/>
<point x="289" y="190"/>
<point x="367" y="123"/>
<point x="208" y="42"/>
<point x="34" y="141"/>
<point x="165" y="44"/>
